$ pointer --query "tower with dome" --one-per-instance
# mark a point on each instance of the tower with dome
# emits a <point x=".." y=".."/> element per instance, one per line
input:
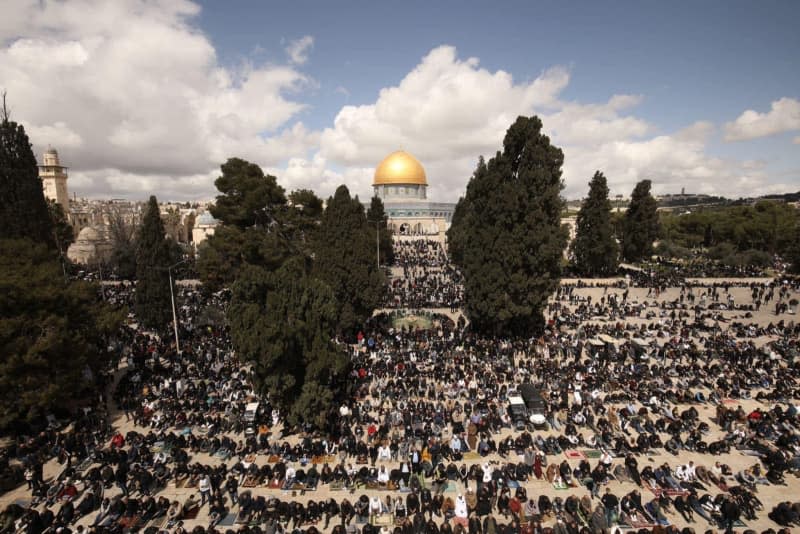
<point x="54" y="179"/>
<point x="401" y="183"/>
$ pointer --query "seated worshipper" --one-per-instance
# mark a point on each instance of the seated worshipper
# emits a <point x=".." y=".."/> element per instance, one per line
<point x="461" y="511"/>
<point x="375" y="507"/>
<point x="383" y="475"/>
<point x="87" y="504"/>
<point x="67" y="492"/>
<point x="384" y="453"/>
<point x="291" y="472"/>
<point x="606" y="459"/>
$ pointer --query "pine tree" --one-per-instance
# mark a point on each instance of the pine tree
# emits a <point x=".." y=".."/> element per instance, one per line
<point x="595" y="249"/>
<point x="640" y="226"/>
<point x="506" y="234"/>
<point x="23" y="208"/>
<point x="257" y="226"/>
<point x="247" y="196"/>
<point x="376" y="215"/>
<point x="344" y="250"/>
<point x="153" y="257"/>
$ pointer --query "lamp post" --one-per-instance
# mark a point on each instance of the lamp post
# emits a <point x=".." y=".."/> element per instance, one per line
<point x="174" y="314"/>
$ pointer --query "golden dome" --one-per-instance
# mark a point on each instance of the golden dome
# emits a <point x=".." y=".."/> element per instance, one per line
<point x="400" y="168"/>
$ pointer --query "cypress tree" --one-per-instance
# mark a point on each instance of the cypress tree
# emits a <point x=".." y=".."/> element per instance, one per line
<point x="283" y="322"/>
<point x="23" y="208"/>
<point x="344" y="255"/>
<point x="595" y="249"/>
<point x="54" y="334"/>
<point x="506" y="234"/>
<point x="640" y="226"/>
<point x="153" y="257"/>
<point x="376" y="215"/>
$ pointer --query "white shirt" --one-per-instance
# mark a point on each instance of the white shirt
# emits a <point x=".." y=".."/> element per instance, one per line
<point x="461" y="507"/>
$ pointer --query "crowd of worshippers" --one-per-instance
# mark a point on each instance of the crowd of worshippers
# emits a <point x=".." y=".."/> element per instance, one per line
<point x="428" y="280"/>
<point x="429" y="416"/>
<point x="700" y="306"/>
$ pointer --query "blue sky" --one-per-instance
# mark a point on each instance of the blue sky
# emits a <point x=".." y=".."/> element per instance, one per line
<point x="690" y="59"/>
<point x="688" y="69"/>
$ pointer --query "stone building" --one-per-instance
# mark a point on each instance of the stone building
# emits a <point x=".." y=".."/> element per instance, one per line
<point x="204" y="227"/>
<point x="93" y="246"/>
<point x="54" y="179"/>
<point x="401" y="183"/>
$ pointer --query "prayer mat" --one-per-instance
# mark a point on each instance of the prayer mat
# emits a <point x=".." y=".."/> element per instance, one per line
<point x="452" y="487"/>
<point x="336" y="486"/>
<point x="228" y="520"/>
<point x="471" y="455"/>
<point x="128" y="522"/>
<point x="273" y="459"/>
<point x="592" y="454"/>
<point x="241" y="518"/>
<point x="158" y="522"/>
<point x="574" y="455"/>
<point x="251" y="482"/>
<point x="561" y="487"/>
<point x="643" y="524"/>
<point x="382" y="520"/>
<point x="24" y="503"/>
<point x="84" y="465"/>
<point x="731" y="401"/>
<point x="191" y="514"/>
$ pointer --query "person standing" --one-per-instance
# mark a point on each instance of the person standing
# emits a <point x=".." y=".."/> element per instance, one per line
<point x="611" y="505"/>
<point x="205" y="489"/>
<point x="232" y="487"/>
<point x="730" y="514"/>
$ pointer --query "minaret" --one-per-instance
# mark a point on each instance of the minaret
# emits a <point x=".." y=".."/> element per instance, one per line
<point x="54" y="179"/>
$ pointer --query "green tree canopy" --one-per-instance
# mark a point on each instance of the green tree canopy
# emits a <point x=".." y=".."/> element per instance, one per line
<point x="53" y="334"/>
<point x="154" y="255"/>
<point x="506" y="234"/>
<point x="247" y="196"/>
<point x="793" y="251"/>
<point x="344" y="259"/>
<point x="23" y="208"/>
<point x="63" y="235"/>
<point x="376" y="215"/>
<point x="640" y="226"/>
<point x="595" y="249"/>
<point x="283" y="322"/>
<point x="766" y="226"/>
<point x="258" y="226"/>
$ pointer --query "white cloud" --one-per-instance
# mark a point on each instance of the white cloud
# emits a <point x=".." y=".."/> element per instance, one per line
<point x="448" y="111"/>
<point x="444" y="108"/>
<point x="299" y="49"/>
<point x="143" y="105"/>
<point x="146" y="106"/>
<point x="783" y="116"/>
